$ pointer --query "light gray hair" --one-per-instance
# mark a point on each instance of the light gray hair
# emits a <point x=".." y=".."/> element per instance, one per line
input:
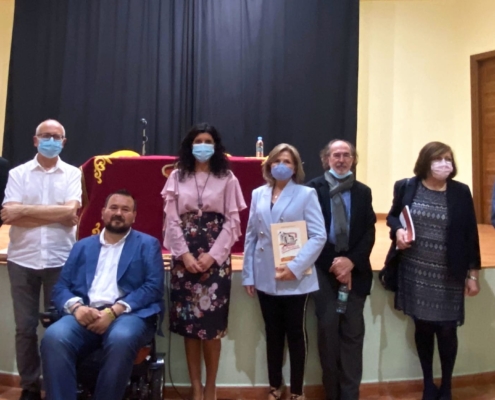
<point x="50" y="120"/>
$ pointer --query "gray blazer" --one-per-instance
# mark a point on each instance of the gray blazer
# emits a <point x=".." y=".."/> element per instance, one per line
<point x="296" y="203"/>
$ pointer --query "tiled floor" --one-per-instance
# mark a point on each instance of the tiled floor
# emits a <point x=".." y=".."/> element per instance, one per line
<point x="485" y="392"/>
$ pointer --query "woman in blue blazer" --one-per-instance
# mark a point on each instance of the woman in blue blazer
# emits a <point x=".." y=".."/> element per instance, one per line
<point x="283" y="290"/>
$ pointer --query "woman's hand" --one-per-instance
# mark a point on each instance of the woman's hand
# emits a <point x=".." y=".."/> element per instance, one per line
<point x="250" y="290"/>
<point x="205" y="261"/>
<point x="471" y="288"/>
<point x="191" y="263"/>
<point x="284" y="274"/>
<point x="401" y="236"/>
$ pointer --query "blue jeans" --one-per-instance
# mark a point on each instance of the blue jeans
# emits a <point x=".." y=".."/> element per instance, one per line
<point x="66" y="341"/>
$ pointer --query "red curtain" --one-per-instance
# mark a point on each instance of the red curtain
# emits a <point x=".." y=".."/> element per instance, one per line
<point x="144" y="178"/>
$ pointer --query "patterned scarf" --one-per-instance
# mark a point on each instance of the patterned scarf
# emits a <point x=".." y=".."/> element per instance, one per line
<point x="339" y="216"/>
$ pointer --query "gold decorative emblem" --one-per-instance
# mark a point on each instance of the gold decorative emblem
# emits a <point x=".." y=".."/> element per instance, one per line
<point x="96" y="229"/>
<point x="167" y="170"/>
<point x="100" y="163"/>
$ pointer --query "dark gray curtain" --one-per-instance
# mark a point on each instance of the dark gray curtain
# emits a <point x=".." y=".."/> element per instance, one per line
<point x="282" y="69"/>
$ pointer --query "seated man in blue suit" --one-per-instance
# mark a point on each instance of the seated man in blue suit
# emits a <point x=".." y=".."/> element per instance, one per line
<point x="110" y="289"/>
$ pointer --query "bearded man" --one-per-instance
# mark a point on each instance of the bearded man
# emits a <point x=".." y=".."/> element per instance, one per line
<point x="110" y="290"/>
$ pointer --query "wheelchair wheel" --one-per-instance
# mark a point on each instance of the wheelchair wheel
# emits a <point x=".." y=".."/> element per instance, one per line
<point x="157" y="382"/>
<point x="143" y="389"/>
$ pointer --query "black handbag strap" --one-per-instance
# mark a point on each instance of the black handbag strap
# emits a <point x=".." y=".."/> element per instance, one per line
<point x="402" y="191"/>
<point x="389" y="274"/>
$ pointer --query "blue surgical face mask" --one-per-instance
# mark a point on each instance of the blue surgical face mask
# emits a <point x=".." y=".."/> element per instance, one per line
<point x="49" y="148"/>
<point x="340" y="176"/>
<point x="282" y="172"/>
<point x="203" y="151"/>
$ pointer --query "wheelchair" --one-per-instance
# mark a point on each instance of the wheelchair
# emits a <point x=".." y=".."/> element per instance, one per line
<point x="148" y="373"/>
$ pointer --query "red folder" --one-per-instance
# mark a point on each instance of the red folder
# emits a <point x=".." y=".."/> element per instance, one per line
<point x="407" y="223"/>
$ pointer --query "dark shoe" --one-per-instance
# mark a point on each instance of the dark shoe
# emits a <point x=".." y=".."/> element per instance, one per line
<point x="430" y="393"/>
<point x="444" y="394"/>
<point x="28" y="395"/>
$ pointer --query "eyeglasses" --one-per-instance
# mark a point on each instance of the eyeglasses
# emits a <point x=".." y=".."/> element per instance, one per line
<point x="338" y="156"/>
<point x="48" y="135"/>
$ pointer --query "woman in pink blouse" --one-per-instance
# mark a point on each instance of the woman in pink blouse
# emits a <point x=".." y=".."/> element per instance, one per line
<point x="202" y="204"/>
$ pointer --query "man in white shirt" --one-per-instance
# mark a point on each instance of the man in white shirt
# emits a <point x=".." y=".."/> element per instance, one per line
<point x="110" y="290"/>
<point x="41" y="202"/>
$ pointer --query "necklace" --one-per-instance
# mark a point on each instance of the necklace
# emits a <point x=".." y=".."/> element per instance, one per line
<point x="438" y="189"/>
<point x="200" y="196"/>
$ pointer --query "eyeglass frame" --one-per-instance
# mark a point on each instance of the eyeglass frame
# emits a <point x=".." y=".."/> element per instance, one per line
<point x="48" y="135"/>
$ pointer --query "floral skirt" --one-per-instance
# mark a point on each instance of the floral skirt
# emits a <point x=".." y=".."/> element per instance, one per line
<point x="200" y="302"/>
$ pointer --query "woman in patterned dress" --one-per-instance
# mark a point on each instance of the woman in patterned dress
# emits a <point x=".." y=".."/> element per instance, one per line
<point x="202" y="204"/>
<point x="441" y="265"/>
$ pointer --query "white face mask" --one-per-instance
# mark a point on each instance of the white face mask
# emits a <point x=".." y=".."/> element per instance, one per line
<point x="441" y="169"/>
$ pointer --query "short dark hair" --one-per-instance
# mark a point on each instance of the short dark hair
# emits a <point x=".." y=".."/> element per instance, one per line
<point x="122" y="192"/>
<point x="219" y="163"/>
<point x="430" y="152"/>
<point x="325" y="152"/>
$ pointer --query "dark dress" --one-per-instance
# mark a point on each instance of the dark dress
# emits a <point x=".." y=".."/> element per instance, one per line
<point x="200" y="302"/>
<point x="427" y="290"/>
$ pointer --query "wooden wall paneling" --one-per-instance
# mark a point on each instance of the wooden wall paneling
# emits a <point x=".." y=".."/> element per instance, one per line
<point x="483" y="132"/>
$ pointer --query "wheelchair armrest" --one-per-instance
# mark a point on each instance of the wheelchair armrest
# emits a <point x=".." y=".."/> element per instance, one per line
<point x="49" y="317"/>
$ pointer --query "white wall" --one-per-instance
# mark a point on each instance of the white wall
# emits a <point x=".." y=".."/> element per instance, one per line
<point x="414" y="84"/>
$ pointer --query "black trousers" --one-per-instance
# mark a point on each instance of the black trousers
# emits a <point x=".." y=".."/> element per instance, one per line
<point x="285" y="316"/>
<point x="340" y="340"/>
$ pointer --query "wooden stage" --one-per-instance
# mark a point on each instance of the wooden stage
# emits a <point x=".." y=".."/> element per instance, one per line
<point x="382" y="244"/>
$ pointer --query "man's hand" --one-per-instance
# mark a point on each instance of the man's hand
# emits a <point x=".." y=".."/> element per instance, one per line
<point x="341" y="268"/>
<point x="250" y="290"/>
<point x="118" y="309"/>
<point x="284" y="274"/>
<point x="12" y="212"/>
<point x="346" y="280"/>
<point x="72" y="221"/>
<point x="101" y="324"/>
<point x="191" y="263"/>
<point x="401" y="239"/>
<point x="205" y="261"/>
<point x="86" y="315"/>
